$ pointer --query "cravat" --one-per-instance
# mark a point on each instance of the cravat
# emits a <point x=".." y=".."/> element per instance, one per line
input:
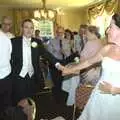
<point x="29" y="59"/>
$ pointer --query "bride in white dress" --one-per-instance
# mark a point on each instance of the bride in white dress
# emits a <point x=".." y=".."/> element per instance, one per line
<point x="104" y="102"/>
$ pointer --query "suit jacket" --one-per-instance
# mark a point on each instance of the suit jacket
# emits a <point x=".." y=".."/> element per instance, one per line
<point x="36" y="52"/>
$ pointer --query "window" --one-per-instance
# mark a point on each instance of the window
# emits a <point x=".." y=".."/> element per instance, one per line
<point x="46" y="27"/>
<point x="102" y="22"/>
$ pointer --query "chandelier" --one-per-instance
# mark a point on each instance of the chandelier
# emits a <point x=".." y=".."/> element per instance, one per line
<point x="45" y="13"/>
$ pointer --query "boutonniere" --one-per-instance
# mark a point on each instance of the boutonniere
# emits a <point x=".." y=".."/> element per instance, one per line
<point x="34" y="44"/>
<point x="76" y="59"/>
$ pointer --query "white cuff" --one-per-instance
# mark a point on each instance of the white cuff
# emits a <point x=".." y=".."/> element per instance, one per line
<point x="57" y="65"/>
<point x="76" y="59"/>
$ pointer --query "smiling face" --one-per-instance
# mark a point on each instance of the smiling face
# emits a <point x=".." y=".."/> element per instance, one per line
<point x="27" y="29"/>
<point x="68" y="35"/>
<point x="92" y="32"/>
<point x="60" y="32"/>
<point x="90" y="36"/>
<point x="6" y="24"/>
<point x="82" y="31"/>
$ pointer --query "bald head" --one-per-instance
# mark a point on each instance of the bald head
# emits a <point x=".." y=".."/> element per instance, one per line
<point x="60" y="31"/>
<point x="6" y="24"/>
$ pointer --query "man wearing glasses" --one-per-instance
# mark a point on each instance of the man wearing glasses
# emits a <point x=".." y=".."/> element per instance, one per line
<point x="6" y="26"/>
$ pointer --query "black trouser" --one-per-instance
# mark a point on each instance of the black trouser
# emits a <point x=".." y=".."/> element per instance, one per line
<point x="5" y="93"/>
<point x="23" y="88"/>
<point x="58" y="93"/>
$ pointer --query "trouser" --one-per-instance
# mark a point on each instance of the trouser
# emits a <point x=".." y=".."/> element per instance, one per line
<point x="59" y="95"/>
<point x="23" y="88"/>
<point x="5" y="93"/>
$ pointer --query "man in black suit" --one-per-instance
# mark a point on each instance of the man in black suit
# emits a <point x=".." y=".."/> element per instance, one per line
<point x="25" y="62"/>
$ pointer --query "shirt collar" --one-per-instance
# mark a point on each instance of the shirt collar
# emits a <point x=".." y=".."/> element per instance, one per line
<point x="27" y="39"/>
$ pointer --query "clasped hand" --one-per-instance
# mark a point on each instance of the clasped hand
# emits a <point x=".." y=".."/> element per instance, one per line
<point x="105" y="87"/>
<point x="67" y="70"/>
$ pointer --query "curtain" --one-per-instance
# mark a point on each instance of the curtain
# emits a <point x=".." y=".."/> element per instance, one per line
<point x="109" y="6"/>
<point x="95" y="11"/>
<point x="19" y="15"/>
<point x="100" y="15"/>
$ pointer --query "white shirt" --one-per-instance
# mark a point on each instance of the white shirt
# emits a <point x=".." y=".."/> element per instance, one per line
<point x="27" y="60"/>
<point x="10" y="35"/>
<point x="66" y="47"/>
<point x="77" y="43"/>
<point x="5" y="55"/>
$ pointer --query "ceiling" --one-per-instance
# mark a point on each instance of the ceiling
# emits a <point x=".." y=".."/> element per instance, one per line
<point x="65" y="4"/>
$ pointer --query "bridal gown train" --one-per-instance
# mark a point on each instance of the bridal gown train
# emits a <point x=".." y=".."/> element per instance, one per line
<point x="104" y="106"/>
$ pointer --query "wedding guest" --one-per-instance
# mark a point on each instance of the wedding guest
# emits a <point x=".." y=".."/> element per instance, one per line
<point x="92" y="46"/>
<point x="55" y="48"/>
<point x="80" y="38"/>
<point x="25" y="62"/>
<point x="6" y="26"/>
<point x="5" y="71"/>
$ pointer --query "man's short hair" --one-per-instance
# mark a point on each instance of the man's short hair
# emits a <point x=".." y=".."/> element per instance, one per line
<point x="37" y="31"/>
<point x="6" y="17"/>
<point x="26" y="20"/>
<point x="60" y="27"/>
<point x="84" y="26"/>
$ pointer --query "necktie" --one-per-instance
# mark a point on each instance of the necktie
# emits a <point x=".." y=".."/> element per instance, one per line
<point x="61" y="48"/>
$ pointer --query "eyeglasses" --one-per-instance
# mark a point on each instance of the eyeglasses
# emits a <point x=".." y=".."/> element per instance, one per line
<point x="7" y="24"/>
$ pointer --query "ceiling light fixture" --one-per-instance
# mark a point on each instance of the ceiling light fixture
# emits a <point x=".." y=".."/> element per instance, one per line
<point x="45" y="13"/>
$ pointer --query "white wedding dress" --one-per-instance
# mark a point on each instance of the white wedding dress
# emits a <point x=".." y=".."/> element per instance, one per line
<point x="104" y="106"/>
